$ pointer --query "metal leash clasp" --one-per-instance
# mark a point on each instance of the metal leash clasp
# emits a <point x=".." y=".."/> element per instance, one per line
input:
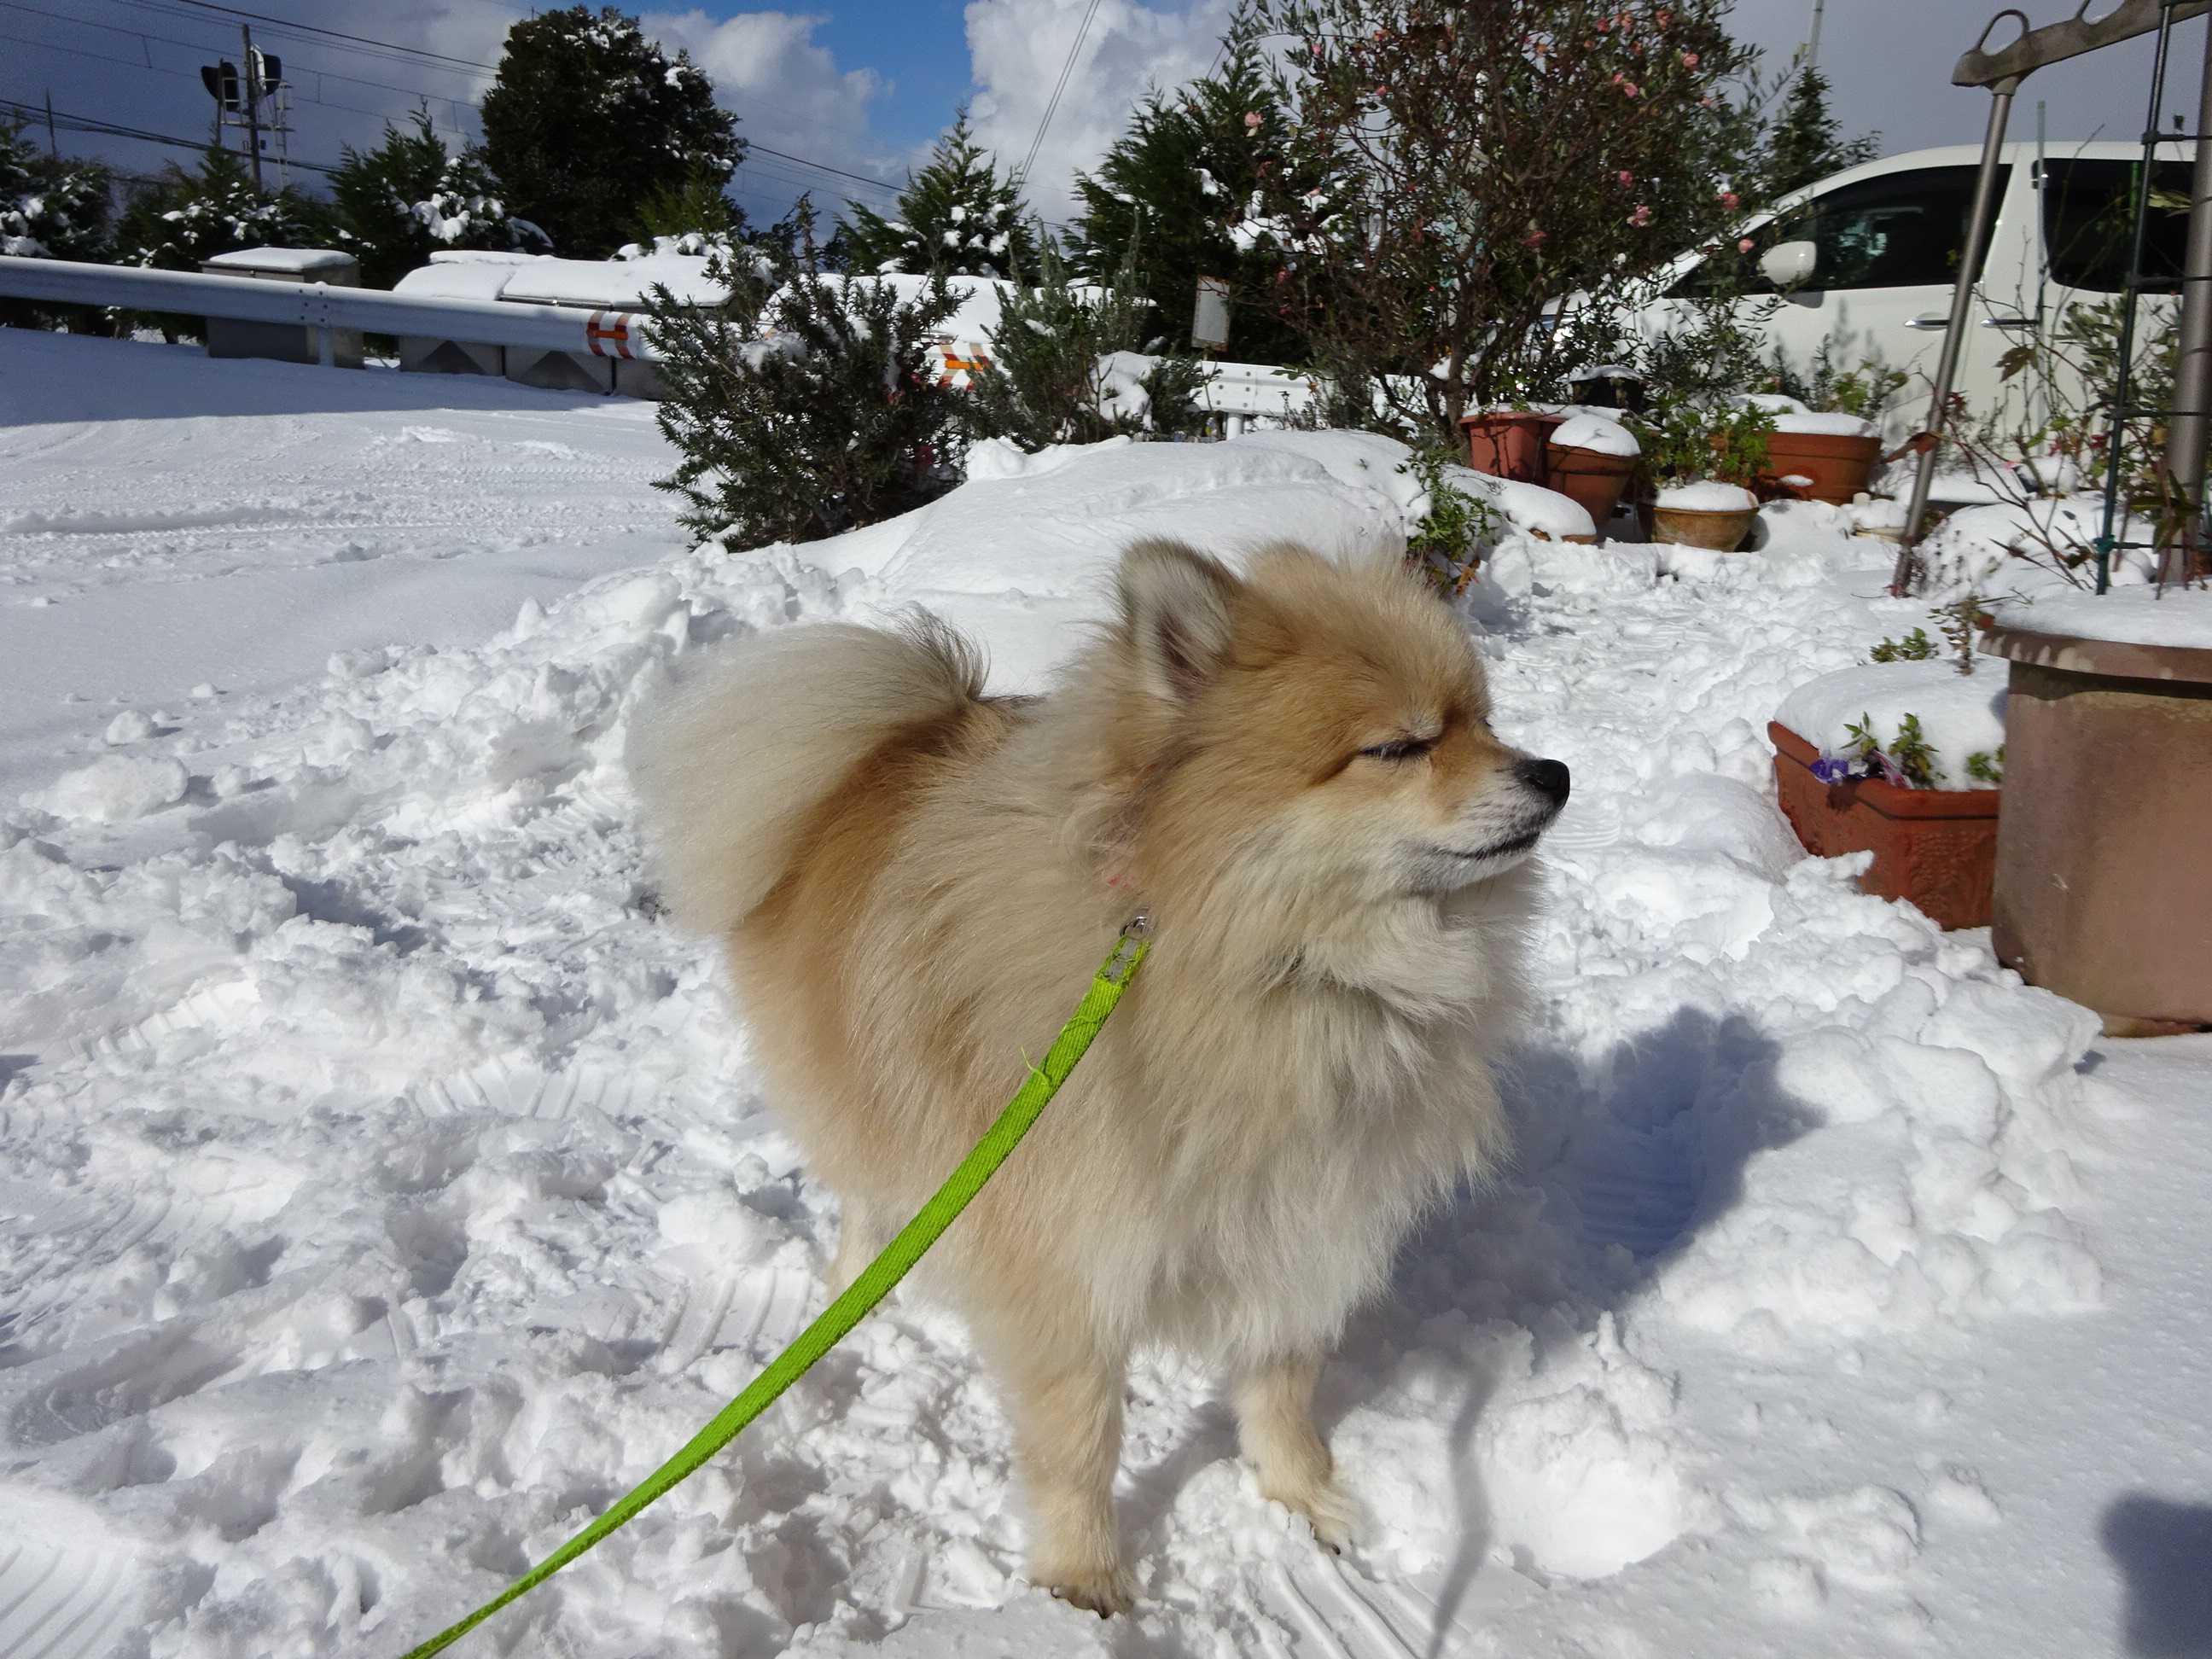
<point x="1127" y="948"/>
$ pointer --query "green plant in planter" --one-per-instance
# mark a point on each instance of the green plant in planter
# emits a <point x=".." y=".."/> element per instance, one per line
<point x="1915" y="646"/>
<point x="1985" y="766"/>
<point x="1863" y="391"/>
<point x="1907" y="758"/>
<point x="1685" y="442"/>
<point x="1446" y="545"/>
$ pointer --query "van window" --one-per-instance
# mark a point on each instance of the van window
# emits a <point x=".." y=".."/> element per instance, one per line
<point x="1896" y="230"/>
<point x="2088" y="216"/>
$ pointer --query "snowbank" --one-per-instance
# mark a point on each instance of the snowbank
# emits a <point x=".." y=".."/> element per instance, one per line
<point x="1959" y="714"/>
<point x="383" y="1187"/>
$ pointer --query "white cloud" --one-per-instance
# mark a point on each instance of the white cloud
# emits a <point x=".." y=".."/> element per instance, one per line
<point x="1017" y="49"/>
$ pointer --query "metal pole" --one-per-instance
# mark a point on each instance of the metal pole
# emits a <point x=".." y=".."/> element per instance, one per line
<point x="2188" y="427"/>
<point x="1955" y="332"/>
<point x="251" y="73"/>
<point x="2116" y="428"/>
<point x="54" y="145"/>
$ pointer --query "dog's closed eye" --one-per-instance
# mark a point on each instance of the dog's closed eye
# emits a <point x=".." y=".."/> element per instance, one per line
<point x="1400" y="749"/>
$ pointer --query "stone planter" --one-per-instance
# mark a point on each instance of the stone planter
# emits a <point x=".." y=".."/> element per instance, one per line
<point x="1590" y="477"/>
<point x="2104" y="892"/>
<point x="1722" y="530"/>
<point x="1509" y="443"/>
<point x="1839" y="466"/>
<point x="1935" y="848"/>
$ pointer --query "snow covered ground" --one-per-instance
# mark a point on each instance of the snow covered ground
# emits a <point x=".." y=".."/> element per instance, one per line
<point x="383" y="1189"/>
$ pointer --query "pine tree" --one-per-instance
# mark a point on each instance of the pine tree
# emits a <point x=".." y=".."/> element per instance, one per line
<point x="1178" y="188"/>
<point x="588" y="117"/>
<point x="956" y="215"/>
<point x="50" y="208"/>
<point x="1805" y="148"/>
<point x="1053" y="376"/>
<point x="184" y="218"/>
<point x="693" y="215"/>
<point x="396" y="204"/>
<point x="808" y="404"/>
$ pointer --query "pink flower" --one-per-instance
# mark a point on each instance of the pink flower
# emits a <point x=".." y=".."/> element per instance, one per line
<point x="1663" y="19"/>
<point x="1689" y="60"/>
<point x="1642" y="215"/>
<point x="1744" y="245"/>
<point x="1618" y="77"/>
<point x="1625" y="177"/>
<point x="1631" y="90"/>
<point x="1535" y="238"/>
<point x="1730" y="200"/>
<point x="1251" y="120"/>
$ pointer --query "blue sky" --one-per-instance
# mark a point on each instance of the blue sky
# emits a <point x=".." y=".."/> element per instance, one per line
<point x="865" y="85"/>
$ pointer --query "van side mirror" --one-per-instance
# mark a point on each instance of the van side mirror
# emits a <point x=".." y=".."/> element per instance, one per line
<point x="1787" y="263"/>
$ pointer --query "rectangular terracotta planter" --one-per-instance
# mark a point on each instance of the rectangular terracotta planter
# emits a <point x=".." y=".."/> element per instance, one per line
<point x="1935" y="848"/>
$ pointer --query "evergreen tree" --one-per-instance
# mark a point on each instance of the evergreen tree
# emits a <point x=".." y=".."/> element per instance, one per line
<point x="1806" y="148"/>
<point x="396" y="204"/>
<point x="693" y="215"/>
<point x="587" y="119"/>
<point x="183" y="218"/>
<point x="1056" y="374"/>
<point x="808" y="404"/>
<point x="956" y="215"/>
<point x="1177" y="190"/>
<point x="50" y="208"/>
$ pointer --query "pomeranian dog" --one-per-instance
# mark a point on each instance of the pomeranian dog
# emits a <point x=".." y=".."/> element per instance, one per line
<point x="1293" y="773"/>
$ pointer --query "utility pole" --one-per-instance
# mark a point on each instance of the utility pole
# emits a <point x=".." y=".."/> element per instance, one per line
<point x="1813" y="44"/>
<point x="53" y="147"/>
<point x="252" y="90"/>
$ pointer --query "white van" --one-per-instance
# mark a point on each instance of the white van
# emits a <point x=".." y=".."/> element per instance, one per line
<point x="1865" y="260"/>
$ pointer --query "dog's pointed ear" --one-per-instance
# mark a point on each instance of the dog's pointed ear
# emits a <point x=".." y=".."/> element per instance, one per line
<point x="1176" y="605"/>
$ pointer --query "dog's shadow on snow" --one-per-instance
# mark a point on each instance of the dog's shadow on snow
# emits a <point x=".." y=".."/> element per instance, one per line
<point x="2164" y="1550"/>
<point x="1622" y="1158"/>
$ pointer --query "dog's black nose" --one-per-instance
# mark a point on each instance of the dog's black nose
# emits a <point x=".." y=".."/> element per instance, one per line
<point x="1548" y="778"/>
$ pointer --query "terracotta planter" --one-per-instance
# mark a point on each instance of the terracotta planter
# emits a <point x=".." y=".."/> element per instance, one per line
<point x="2104" y="893"/>
<point x="1935" y="848"/>
<point x="1589" y="476"/>
<point x="1509" y="443"/>
<point x="1721" y="531"/>
<point x="1839" y="466"/>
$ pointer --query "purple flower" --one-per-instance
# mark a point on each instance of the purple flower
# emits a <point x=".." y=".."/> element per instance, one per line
<point x="1831" y="768"/>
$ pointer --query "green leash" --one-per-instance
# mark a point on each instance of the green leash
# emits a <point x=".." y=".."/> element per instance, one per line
<point x="871" y="1287"/>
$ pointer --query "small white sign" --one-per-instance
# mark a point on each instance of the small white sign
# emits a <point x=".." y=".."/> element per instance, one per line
<point x="1209" y="320"/>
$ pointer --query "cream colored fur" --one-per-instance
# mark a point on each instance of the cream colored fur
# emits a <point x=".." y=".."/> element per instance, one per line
<point x="914" y="882"/>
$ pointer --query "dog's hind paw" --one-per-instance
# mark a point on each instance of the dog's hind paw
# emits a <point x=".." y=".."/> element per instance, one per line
<point x="1323" y="1505"/>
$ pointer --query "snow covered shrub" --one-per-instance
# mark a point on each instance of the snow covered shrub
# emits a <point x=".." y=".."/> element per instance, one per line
<point x="693" y="215"/>
<point x="1447" y="542"/>
<point x="1451" y="169"/>
<point x="809" y="403"/>
<point x="957" y="214"/>
<point x="587" y="119"/>
<point x="409" y="197"/>
<point x="1052" y="377"/>
<point x="50" y="210"/>
<point x="1687" y="442"/>
<point x="183" y="218"/>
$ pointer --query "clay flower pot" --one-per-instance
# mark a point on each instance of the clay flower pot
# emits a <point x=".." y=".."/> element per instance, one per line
<point x="1722" y="530"/>
<point x="1509" y="443"/>
<point x="2104" y="894"/>
<point x="1590" y="478"/>
<point x="1839" y="466"/>
<point x="1935" y="848"/>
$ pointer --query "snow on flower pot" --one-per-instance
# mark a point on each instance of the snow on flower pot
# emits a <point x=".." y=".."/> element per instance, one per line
<point x="1715" y="516"/>
<point x="1819" y="457"/>
<point x="1589" y="459"/>
<point x="2104" y="894"/>
<point x="1934" y="848"/>
<point x="1509" y="443"/>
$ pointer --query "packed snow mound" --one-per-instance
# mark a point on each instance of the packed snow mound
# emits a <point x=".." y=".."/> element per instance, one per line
<point x="384" y="1186"/>
<point x="1706" y="495"/>
<point x="1959" y="713"/>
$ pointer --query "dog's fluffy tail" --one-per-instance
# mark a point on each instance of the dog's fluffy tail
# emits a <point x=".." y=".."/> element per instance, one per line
<point x="729" y="762"/>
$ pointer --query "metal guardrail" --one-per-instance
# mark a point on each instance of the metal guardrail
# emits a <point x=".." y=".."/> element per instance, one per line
<point x="326" y="310"/>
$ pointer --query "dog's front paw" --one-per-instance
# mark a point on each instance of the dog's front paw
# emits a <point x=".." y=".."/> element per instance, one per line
<point x="1105" y="1588"/>
<point x="1323" y="1505"/>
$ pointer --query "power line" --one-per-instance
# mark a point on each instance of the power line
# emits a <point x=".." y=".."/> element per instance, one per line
<point x="340" y="34"/>
<point x="115" y="129"/>
<point x="1059" y="87"/>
